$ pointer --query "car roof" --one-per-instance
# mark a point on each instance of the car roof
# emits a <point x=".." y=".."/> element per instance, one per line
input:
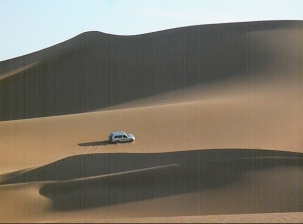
<point x="118" y="133"/>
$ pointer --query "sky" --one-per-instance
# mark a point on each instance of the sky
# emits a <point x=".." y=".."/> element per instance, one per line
<point x="27" y="26"/>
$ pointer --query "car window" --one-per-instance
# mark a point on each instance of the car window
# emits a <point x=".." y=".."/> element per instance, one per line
<point x="124" y="136"/>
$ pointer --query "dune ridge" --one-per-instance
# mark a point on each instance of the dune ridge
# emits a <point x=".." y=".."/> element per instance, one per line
<point x="104" y="164"/>
<point x="107" y="180"/>
<point x="96" y="70"/>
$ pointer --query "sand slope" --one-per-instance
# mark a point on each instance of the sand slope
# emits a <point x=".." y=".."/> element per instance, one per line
<point x="96" y="70"/>
<point x="69" y="161"/>
<point x="216" y="111"/>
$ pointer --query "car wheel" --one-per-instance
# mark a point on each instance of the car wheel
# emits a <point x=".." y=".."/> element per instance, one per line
<point x="131" y="140"/>
<point x="117" y="141"/>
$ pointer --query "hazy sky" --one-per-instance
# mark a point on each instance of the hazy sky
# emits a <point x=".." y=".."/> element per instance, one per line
<point x="31" y="25"/>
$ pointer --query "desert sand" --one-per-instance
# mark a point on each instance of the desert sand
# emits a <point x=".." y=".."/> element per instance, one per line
<point x="217" y="112"/>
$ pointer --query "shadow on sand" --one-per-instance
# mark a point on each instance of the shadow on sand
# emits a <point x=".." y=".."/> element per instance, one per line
<point x="96" y="143"/>
<point x="96" y="180"/>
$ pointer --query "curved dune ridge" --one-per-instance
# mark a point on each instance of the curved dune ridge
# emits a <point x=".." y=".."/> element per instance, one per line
<point x="96" y="70"/>
<point x="216" y="110"/>
<point x="188" y="183"/>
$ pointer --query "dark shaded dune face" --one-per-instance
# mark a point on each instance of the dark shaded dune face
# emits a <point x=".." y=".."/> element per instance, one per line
<point x="94" y="70"/>
<point x="67" y="80"/>
<point x="82" y="166"/>
<point x="219" y="190"/>
<point x="222" y="181"/>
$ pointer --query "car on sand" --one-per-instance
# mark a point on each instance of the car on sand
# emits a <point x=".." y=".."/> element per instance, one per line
<point x="120" y="136"/>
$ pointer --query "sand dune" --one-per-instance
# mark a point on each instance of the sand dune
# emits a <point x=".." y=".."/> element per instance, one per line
<point x="216" y="111"/>
<point x="65" y="161"/>
<point x="117" y="163"/>
<point x="199" y="183"/>
<point x="95" y="70"/>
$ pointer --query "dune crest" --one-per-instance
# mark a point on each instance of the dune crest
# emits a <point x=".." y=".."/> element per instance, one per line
<point x="96" y="70"/>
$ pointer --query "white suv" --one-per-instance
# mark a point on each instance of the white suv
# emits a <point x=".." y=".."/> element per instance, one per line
<point x="120" y="136"/>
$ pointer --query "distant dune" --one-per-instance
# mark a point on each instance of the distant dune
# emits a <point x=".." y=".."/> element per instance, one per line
<point x="217" y="112"/>
<point x="96" y="70"/>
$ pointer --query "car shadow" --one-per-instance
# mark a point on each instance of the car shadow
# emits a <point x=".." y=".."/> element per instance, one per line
<point x="96" y="143"/>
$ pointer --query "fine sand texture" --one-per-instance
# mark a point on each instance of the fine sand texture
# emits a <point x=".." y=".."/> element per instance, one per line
<point x="216" y="110"/>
